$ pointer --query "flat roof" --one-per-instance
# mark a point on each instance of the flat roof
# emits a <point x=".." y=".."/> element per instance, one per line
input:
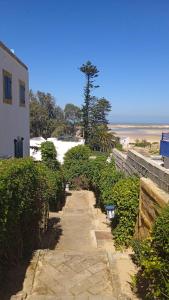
<point x="2" y="45"/>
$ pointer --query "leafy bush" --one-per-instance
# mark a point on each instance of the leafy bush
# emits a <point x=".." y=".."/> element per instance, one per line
<point x="80" y="182"/>
<point x="25" y="190"/>
<point x="96" y="166"/>
<point x="22" y="203"/>
<point x="125" y="195"/>
<point x="142" y="143"/>
<point x="109" y="177"/>
<point x="76" y="154"/>
<point x="76" y="171"/>
<point x="76" y="166"/>
<point x="48" y="153"/>
<point x="161" y="234"/>
<point x="55" y="186"/>
<point x="152" y="255"/>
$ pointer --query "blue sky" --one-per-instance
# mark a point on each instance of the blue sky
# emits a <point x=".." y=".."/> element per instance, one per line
<point x="128" y="40"/>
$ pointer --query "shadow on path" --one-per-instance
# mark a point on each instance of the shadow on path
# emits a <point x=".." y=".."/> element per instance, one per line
<point x="13" y="278"/>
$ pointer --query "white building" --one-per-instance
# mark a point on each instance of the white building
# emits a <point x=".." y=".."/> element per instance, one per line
<point x="14" y="105"/>
<point x="124" y="141"/>
<point x="61" y="147"/>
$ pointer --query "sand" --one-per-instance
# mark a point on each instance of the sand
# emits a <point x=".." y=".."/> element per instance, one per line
<point x="150" y="133"/>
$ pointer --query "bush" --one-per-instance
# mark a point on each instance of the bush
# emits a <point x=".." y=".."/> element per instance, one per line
<point x="77" y="154"/>
<point x="48" y="154"/>
<point x="76" y="167"/>
<point x="109" y="177"/>
<point x="161" y="234"/>
<point x="125" y="195"/>
<point x="96" y="166"/>
<point x="152" y="255"/>
<point x="26" y="188"/>
<point x="75" y="172"/>
<point x="55" y="186"/>
<point x="22" y="203"/>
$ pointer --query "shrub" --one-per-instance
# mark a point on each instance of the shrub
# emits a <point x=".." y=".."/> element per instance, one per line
<point x="76" y="154"/>
<point x="161" y="234"/>
<point x="109" y="177"/>
<point x="22" y="203"/>
<point x="76" y="166"/>
<point x="76" y="171"/>
<point x="96" y="166"/>
<point x="48" y="154"/>
<point x="55" y="186"/>
<point x="26" y="188"/>
<point x="152" y="255"/>
<point x="125" y="195"/>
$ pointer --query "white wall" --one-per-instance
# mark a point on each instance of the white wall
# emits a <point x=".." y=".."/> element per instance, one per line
<point x="14" y="119"/>
<point x="61" y="147"/>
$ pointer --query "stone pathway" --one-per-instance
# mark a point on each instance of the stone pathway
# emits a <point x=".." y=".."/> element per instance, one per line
<point x="81" y="266"/>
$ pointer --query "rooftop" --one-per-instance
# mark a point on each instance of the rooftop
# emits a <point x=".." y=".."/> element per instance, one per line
<point x="12" y="55"/>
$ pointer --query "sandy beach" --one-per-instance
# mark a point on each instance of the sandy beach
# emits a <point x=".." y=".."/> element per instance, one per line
<point x="151" y="133"/>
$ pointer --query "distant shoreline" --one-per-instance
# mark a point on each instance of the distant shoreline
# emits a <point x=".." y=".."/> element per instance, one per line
<point x="149" y="132"/>
<point x="138" y="125"/>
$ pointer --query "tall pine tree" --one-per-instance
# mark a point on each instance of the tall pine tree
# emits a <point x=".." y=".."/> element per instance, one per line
<point x="91" y="72"/>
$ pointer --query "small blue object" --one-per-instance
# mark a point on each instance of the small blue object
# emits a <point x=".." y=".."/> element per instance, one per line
<point x="110" y="207"/>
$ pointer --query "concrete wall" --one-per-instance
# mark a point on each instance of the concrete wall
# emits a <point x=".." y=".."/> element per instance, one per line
<point x="14" y="119"/>
<point x="152" y="200"/>
<point x="154" y="187"/>
<point x="135" y="163"/>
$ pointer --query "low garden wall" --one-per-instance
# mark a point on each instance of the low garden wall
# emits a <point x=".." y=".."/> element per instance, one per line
<point x="135" y="163"/>
<point x="154" y="187"/>
<point x="152" y="200"/>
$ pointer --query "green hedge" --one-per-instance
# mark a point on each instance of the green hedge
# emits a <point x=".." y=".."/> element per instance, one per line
<point x="49" y="154"/>
<point x="26" y="188"/>
<point x="76" y="168"/>
<point x="125" y="195"/>
<point x="152" y="256"/>
<point x="55" y="185"/>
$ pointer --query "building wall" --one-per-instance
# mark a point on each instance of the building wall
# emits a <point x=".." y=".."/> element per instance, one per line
<point x="136" y="164"/>
<point x="14" y="119"/>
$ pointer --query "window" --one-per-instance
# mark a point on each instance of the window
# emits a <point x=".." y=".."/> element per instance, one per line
<point x="7" y="87"/>
<point x="21" y="93"/>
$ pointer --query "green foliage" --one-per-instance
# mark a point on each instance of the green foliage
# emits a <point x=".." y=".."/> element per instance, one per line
<point x="22" y="203"/>
<point x="44" y="114"/>
<point x="55" y="185"/>
<point x="99" y="111"/>
<point x="142" y="143"/>
<point x="125" y="195"/>
<point x="161" y="234"/>
<point x="109" y="177"/>
<point x="72" y="114"/>
<point x="96" y="166"/>
<point x="48" y="119"/>
<point x="91" y="73"/>
<point x="101" y="139"/>
<point x="78" y="165"/>
<point x="74" y="171"/>
<point x="48" y="153"/>
<point x="118" y="146"/>
<point x="152" y="256"/>
<point x="76" y="154"/>
<point x="26" y="188"/>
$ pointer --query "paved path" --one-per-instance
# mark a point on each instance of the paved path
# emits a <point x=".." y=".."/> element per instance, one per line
<point x="79" y="267"/>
